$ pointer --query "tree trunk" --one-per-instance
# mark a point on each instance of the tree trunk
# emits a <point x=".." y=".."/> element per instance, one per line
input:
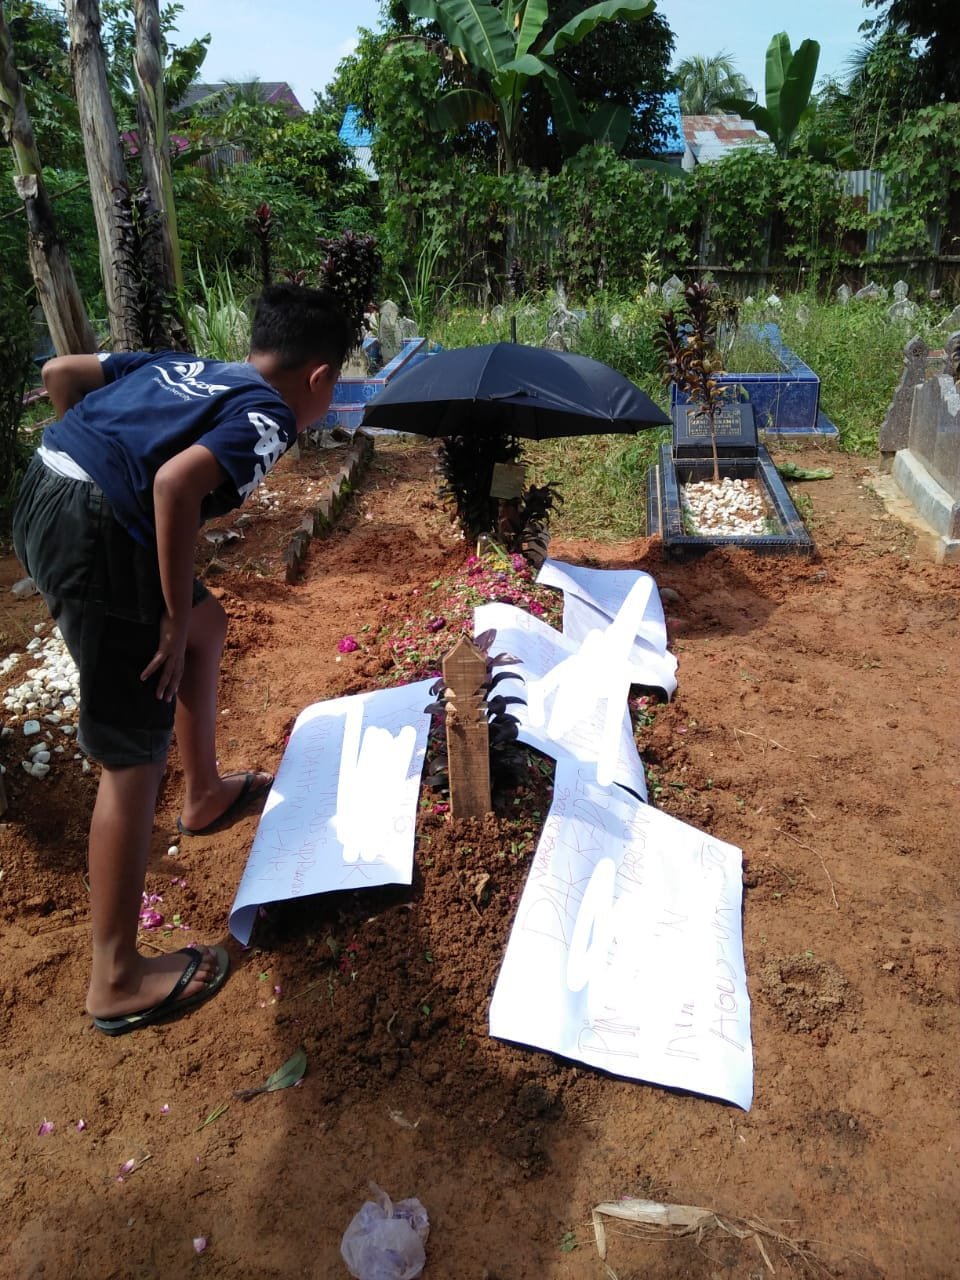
<point x="105" y="166"/>
<point x="154" y="139"/>
<point x="66" y="315"/>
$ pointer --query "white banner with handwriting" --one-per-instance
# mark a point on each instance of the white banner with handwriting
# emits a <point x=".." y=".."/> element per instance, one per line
<point x="627" y="951"/>
<point x="342" y="811"/>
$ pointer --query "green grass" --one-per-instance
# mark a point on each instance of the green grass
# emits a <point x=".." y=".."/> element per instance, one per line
<point x="855" y="349"/>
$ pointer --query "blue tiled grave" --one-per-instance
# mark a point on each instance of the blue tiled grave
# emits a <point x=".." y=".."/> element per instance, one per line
<point x="351" y="395"/>
<point x="785" y="404"/>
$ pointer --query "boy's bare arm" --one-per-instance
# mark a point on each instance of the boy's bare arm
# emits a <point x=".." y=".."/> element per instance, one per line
<point x="69" y="378"/>
<point x="178" y="491"/>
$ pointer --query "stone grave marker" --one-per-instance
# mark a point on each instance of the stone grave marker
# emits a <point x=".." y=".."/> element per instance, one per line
<point x="895" y="428"/>
<point x="389" y="331"/>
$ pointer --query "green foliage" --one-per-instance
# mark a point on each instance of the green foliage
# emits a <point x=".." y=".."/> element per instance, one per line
<point x="16" y="369"/>
<point x="788" y="88"/>
<point x="858" y="356"/>
<point x="505" y="49"/>
<point x="763" y="209"/>
<point x="466" y="466"/>
<point x="705" y="82"/>
<point x="923" y="166"/>
<point x="351" y="269"/>
<point x="218" y="327"/>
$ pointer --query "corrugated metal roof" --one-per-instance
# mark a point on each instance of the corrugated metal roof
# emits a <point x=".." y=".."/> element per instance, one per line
<point x="710" y="137"/>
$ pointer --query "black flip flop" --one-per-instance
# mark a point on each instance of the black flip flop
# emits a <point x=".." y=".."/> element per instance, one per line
<point x="249" y="791"/>
<point x="170" y="1006"/>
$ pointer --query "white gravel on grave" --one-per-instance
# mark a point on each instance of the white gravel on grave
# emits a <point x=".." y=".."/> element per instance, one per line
<point x="45" y="704"/>
<point x="730" y="508"/>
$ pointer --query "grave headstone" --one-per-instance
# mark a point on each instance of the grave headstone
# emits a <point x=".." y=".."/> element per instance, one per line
<point x="844" y="294"/>
<point x="616" y="322"/>
<point x="774" y="303"/>
<point x="672" y="290"/>
<point x="870" y="293"/>
<point x="900" y="290"/>
<point x="408" y="328"/>
<point x="555" y="342"/>
<point x="935" y="432"/>
<point x="803" y="315"/>
<point x="902" y="310"/>
<point x="497" y="314"/>
<point x="652" y="289"/>
<point x="736" y="432"/>
<point x="895" y="428"/>
<point x="389" y="332"/>
<point x="468" y="749"/>
<point x="952" y="321"/>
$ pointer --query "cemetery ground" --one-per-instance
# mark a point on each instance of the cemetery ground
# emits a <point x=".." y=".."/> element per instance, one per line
<point x="816" y="726"/>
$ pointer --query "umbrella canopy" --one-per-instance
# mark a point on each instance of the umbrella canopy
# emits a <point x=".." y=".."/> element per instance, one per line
<point x="509" y="389"/>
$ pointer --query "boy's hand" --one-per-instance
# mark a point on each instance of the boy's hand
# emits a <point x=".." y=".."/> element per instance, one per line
<point x="169" y="658"/>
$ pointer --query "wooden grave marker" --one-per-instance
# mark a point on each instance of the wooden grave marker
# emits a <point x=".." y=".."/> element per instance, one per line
<point x="468" y="734"/>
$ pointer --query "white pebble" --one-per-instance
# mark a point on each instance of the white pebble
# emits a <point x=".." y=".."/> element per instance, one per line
<point x="68" y="729"/>
<point x="30" y="727"/>
<point x="173" y="851"/>
<point x="40" y="770"/>
<point x="38" y="627"/>
<point x="86" y="766"/>
<point x="41" y="757"/>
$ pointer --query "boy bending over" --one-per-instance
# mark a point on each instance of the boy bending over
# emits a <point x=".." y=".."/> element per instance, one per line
<point x="148" y="446"/>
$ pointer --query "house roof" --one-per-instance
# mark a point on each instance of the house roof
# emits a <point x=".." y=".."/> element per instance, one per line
<point x="673" y="142"/>
<point x="710" y="137"/>
<point x="276" y="92"/>
<point x="359" y="139"/>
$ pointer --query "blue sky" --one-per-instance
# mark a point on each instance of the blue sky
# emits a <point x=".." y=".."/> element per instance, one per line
<point x="301" y="41"/>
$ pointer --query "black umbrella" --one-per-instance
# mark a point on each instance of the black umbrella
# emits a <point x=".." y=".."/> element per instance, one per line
<point x="512" y="390"/>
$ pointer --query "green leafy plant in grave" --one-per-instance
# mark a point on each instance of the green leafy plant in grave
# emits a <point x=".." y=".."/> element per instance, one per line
<point x="351" y="269"/>
<point x="507" y="756"/>
<point x="690" y="359"/>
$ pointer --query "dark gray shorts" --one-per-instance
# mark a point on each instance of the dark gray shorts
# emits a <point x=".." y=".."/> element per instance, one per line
<point x="103" y="591"/>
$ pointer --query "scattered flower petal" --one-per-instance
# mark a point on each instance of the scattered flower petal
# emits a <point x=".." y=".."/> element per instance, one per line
<point x="81" y="1125"/>
<point x="45" y="1128"/>
<point x="165" y="1109"/>
<point x="347" y="645"/>
<point x="199" y="1244"/>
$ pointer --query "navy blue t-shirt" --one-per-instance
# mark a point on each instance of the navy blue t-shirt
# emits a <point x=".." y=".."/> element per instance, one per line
<point x="154" y="406"/>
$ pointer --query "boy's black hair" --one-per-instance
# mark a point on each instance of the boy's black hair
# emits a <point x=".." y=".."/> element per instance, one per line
<point x="298" y="324"/>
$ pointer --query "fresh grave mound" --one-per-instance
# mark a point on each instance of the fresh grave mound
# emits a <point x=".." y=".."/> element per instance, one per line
<point x="784" y="738"/>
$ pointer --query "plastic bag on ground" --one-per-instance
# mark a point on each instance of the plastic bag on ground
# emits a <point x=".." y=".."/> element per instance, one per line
<point x="385" y="1241"/>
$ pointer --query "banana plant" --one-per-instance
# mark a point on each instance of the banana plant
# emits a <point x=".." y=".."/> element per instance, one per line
<point x="787" y="92"/>
<point x="503" y="48"/>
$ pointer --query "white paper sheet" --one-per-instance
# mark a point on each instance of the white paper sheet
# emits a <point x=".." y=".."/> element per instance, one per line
<point x="575" y="696"/>
<point x="592" y="598"/>
<point x="342" y="811"/>
<point x="627" y="950"/>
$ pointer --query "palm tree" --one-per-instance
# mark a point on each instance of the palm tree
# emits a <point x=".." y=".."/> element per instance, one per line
<point x="704" y="82"/>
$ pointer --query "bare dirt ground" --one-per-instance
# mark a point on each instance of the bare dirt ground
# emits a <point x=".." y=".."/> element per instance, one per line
<point x="816" y="725"/>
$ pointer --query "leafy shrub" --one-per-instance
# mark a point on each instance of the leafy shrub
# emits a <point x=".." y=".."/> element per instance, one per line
<point x="16" y="369"/>
<point x="351" y="269"/>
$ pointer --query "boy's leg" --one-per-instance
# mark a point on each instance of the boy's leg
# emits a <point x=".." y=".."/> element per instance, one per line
<point x="207" y="794"/>
<point x="123" y="981"/>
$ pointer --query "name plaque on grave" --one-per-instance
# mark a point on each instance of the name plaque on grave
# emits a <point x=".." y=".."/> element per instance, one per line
<point x="735" y="426"/>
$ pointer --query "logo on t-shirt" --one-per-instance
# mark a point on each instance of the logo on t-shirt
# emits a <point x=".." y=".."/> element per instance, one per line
<point x="188" y="381"/>
<point x="268" y="448"/>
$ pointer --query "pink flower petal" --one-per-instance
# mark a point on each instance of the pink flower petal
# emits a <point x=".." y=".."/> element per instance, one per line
<point x="81" y="1125"/>
<point x="199" y="1244"/>
<point x="45" y="1128"/>
<point x="347" y="645"/>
